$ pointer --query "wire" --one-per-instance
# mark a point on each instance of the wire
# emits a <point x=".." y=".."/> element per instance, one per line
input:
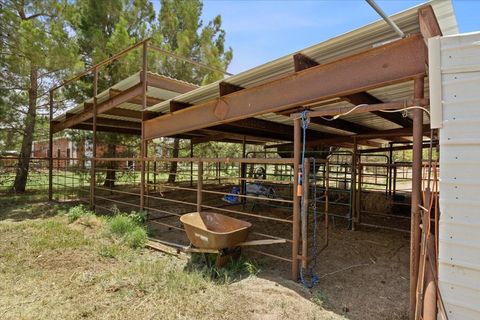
<point x="306" y="175"/>
<point x="406" y="109"/>
<point x="345" y="113"/>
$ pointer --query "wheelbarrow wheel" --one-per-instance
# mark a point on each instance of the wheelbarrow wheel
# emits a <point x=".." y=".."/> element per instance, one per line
<point x="227" y="255"/>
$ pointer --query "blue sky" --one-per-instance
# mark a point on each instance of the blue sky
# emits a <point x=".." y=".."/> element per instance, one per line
<point x="260" y="31"/>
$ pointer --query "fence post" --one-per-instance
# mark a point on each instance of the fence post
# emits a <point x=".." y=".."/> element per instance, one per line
<point x="50" y="151"/>
<point x="94" y="140"/>
<point x="143" y="143"/>
<point x="353" y="184"/>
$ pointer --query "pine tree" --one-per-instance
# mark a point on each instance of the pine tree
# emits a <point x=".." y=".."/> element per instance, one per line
<point x="180" y="30"/>
<point x="36" y="51"/>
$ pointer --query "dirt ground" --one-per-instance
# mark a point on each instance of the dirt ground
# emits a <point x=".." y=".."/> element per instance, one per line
<point x="363" y="274"/>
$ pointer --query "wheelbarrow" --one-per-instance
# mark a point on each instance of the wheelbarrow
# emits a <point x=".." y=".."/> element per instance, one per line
<point x="211" y="232"/>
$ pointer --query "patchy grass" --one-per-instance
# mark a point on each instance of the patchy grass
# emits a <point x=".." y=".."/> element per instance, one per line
<point x="129" y="229"/>
<point x="320" y="298"/>
<point x="53" y="269"/>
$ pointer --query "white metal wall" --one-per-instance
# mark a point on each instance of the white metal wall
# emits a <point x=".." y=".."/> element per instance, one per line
<point x="455" y="104"/>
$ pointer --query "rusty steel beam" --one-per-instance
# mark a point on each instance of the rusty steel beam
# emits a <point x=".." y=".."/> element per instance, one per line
<point x="237" y="136"/>
<point x="126" y="113"/>
<point x="114" y="123"/>
<point x="225" y="88"/>
<point x="395" y="62"/>
<point x="366" y="98"/>
<point x="225" y="137"/>
<point x="165" y="83"/>
<point x="428" y="22"/>
<point x="361" y="138"/>
<point x="101" y="108"/>
<point x="178" y="105"/>
<point x="136" y="100"/>
<point x="227" y="128"/>
<point x="342" y="124"/>
<point x="302" y="62"/>
<point x="416" y="200"/>
<point x="89" y="127"/>
<point x="268" y="129"/>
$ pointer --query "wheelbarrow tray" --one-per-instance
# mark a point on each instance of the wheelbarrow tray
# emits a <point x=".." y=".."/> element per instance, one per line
<point x="209" y="230"/>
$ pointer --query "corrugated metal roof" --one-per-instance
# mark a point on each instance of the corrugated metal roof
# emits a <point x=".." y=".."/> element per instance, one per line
<point x="459" y="236"/>
<point x="346" y="44"/>
<point x="123" y="85"/>
<point x="349" y="43"/>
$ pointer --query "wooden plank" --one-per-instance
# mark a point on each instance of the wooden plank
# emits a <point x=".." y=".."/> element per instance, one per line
<point x="261" y="242"/>
<point x="376" y="67"/>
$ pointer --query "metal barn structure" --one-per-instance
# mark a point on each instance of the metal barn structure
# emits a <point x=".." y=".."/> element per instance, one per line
<point x="361" y="93"/>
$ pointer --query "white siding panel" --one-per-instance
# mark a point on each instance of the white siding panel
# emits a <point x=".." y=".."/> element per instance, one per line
<point x="459" y="233"/>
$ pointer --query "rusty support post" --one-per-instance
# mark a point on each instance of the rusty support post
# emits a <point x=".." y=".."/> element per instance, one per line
<point x="353" y="184"/>
<point x="50" y="151"/>
<point x="296" y="199"/>
<point x="199" y="186"/>
<point x="191" y="163"/>
<point x="143" y="144"/>
<point x="93" y="181"/>
<point x="416" y="195"/>
<point x="390" y="162"/>
<point x="243" y="172"/>
<point x="304" y="213"/>
<point x="359" y="196"/>
<point x="154" y="176"/>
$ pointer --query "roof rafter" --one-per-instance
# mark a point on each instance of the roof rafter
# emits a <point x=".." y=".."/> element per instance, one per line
<point x="136" y="100"/>
<point x="366" y="98"/>
<point x="302" y="62"/>
<point x="379" y="66"/>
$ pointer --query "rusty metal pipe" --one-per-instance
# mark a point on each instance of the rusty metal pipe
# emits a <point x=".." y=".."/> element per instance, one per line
<point x="304" y="213"/>
<point x="296" y="199"/>
<point x="430" y="296"/>
<point x="416" y="194"/>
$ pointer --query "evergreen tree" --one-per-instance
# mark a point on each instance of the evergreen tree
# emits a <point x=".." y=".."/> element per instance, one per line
<point x="180" y="30"/>
<point x="36" y="51"/>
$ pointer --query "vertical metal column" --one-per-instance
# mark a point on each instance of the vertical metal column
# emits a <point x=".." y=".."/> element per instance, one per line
<point x="143" y="144"/>
<point x="94" y="140"/>
<point x="199" y="186"/>
<point x="243" y="172"/>
<point x="304" y="213"/>
<point x="296" y="199"/>
<point x="191" y="163"/>
<point x="50" y="151"/>
<point x="353" y="185"/>
<point x="389" y="172"/>
<point x="416" y="195"/>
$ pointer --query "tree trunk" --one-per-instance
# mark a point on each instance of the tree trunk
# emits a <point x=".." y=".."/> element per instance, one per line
<point x="111" y="173"/>
<point x="29" y="130"/>
<point x="173" y="166"/>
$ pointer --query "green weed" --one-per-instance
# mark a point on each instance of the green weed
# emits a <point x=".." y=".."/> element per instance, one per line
<point x="78" y="212"/>
<point x="319" y="298"/>
<point x="128" y="229"/>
